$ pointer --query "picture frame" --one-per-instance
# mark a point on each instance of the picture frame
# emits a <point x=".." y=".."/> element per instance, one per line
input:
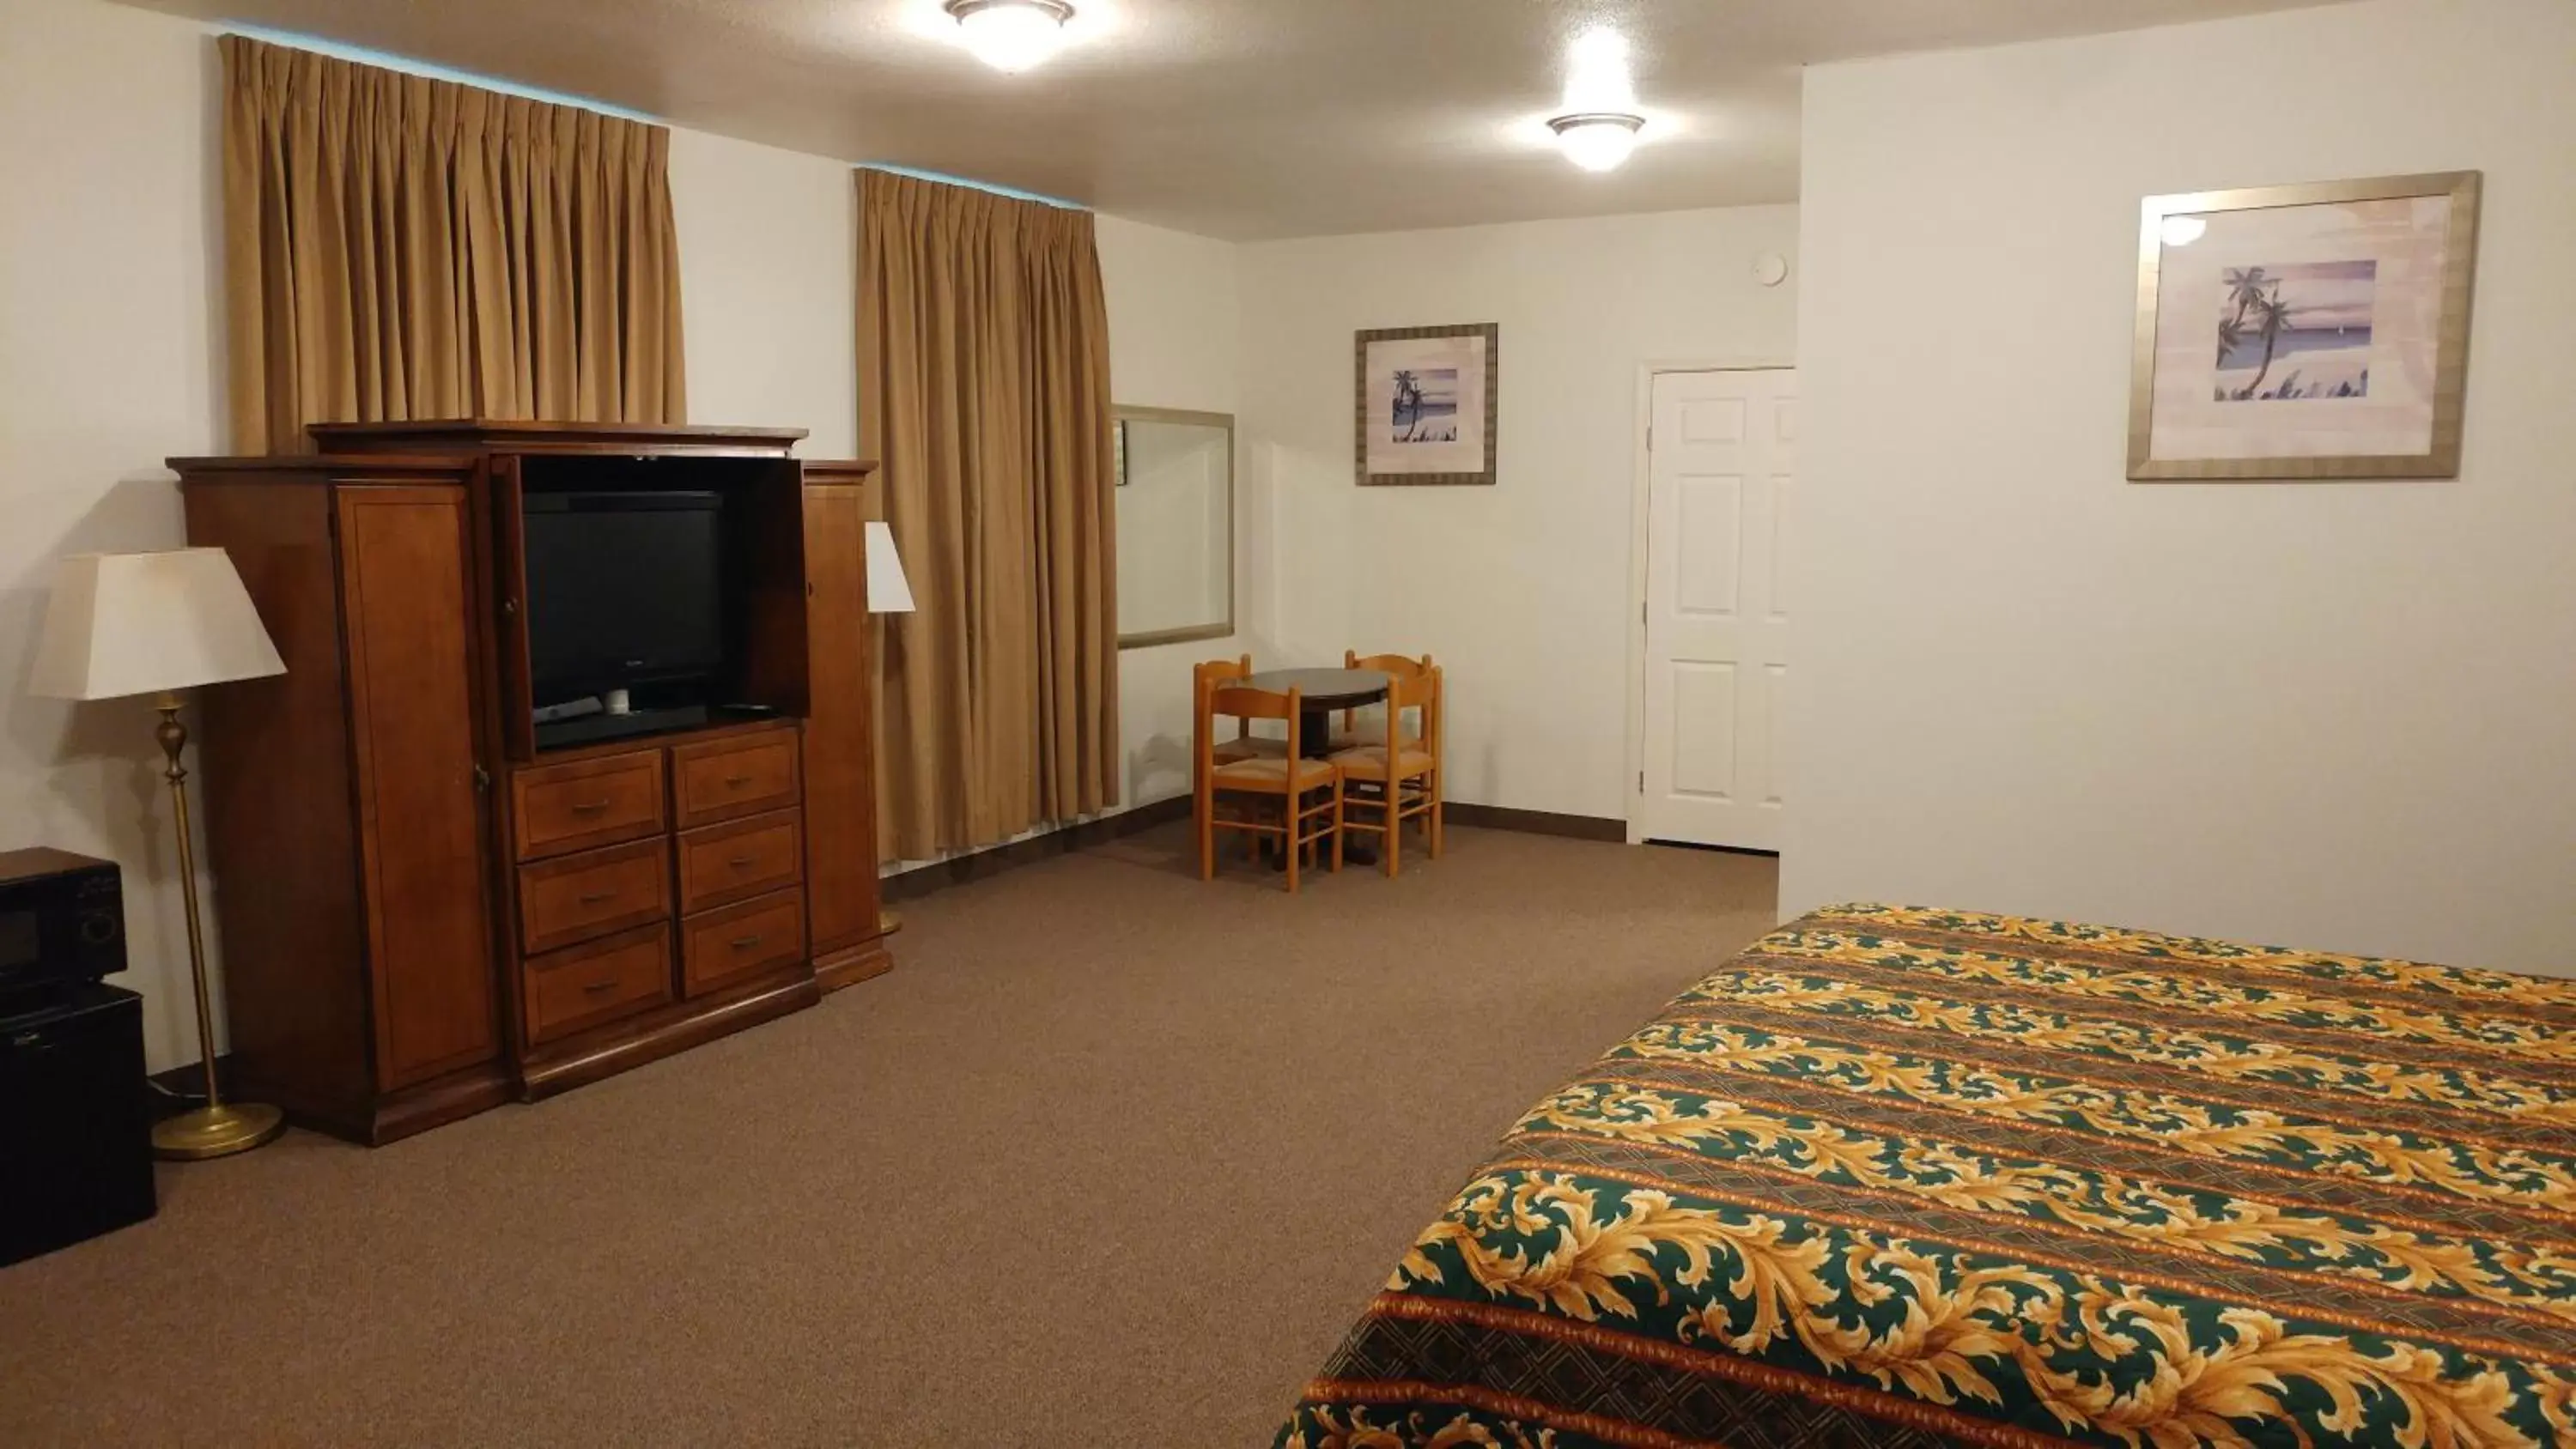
<point x="1425" y="404"/>
<point x="2307" y="332"/>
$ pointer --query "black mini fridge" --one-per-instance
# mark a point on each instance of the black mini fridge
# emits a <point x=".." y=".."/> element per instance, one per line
<point x="75" y="1125"/>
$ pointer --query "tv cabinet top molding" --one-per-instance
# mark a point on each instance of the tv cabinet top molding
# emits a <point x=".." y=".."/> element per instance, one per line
<point x="489" y="435"/>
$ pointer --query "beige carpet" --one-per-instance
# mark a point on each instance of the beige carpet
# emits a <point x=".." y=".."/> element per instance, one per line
<point x="1112" y="1158"/>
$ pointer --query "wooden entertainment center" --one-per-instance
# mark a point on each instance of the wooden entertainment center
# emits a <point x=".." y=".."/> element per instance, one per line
<point x="424" y="911"/>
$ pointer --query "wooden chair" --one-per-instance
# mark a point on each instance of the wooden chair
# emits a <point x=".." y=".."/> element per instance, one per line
<point x="1288" y="777"/>
<point x="1399" y="778"/>
<point x="1394" y="666"/>
<point x="1245" y="745"/>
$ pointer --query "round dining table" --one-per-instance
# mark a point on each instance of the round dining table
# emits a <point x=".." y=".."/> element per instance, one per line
<point x="1319" y="693"/>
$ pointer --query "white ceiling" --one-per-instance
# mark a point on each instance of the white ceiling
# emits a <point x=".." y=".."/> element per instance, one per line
<point x="1233" y="118"/>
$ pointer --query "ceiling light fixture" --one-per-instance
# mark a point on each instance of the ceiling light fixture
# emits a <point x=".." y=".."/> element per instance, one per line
<point x="1011" y="35"/>
<point x="1597" y="140"/>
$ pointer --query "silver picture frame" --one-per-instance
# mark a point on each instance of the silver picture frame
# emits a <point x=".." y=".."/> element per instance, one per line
<point x="2159" y="218"/>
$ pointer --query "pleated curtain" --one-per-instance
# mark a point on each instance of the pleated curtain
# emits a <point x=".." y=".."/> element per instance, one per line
<point x="984" y="394"/>
<point x="399" y="248"/>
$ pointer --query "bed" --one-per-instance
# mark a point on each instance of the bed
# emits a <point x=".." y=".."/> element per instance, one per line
<point x="1905" y="1177"/>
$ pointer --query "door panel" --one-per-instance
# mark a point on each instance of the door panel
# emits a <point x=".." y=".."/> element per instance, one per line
<point x="1720" y="481"/>
<point x="840" y="771"/>
<point x="507" y="528"/>
<point x="403" y="575"/>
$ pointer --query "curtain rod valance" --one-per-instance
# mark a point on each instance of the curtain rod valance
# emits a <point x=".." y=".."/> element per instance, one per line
<point x="431" y="70"/>
<point x="942" y="178"/>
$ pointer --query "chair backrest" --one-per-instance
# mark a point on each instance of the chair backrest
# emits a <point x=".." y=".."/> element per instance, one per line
<point x="1237" y="701"/>
<point x="1412" y="691"/>
<point x="1207" y="675"/>
<point x="1241" y="702"/>
<point x="1217" y="671"/>
<point x="1397" y="665"/>
<point x="1394" y="666"/>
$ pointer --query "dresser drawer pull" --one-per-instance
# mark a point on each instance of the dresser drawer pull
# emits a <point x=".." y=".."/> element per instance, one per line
<point x="736" y="782"/>
<point x="599" y="988"/>
<point x="589" y="807"/>
<point x="744" y="943"/>
<point x="740" y="862"/>
<point x="592" y="898"/>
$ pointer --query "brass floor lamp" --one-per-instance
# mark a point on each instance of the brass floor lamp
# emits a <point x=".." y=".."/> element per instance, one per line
<point x="123" y="624"/>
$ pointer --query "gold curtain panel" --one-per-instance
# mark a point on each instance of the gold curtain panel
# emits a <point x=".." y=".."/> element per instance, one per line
<point x="399" y="248"/>
<point x="984" y="392"/>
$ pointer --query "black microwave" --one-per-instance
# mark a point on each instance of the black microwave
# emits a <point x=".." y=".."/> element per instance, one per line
<point x="62" y="919"/>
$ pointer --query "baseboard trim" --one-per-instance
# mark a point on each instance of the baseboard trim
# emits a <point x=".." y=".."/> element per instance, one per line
<point x="1536" y="822"/>
<point x="923" y="880"/>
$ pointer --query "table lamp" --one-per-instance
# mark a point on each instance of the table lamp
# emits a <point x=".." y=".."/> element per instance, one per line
<point x="888" y="593"/>
<point x="122" y="624"/>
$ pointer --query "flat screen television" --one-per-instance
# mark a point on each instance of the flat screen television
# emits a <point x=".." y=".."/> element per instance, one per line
<point x="624" y="589"/>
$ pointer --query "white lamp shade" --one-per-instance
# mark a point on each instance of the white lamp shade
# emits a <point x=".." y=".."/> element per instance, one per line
<point x="148" y="623"/>
<point x="888" y="591"/>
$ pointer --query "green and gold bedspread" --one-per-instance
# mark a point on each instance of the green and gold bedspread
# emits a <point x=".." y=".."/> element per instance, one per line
<point x="1903" y="1177"/>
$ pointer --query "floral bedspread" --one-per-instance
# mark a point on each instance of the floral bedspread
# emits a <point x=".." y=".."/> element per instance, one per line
<point x="1899" y="1177"/>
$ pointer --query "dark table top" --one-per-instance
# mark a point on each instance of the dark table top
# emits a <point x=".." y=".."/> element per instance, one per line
<point x="1323" y="688"/>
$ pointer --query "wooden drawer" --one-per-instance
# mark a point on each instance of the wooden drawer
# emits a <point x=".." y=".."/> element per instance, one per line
<point x="738" y="940"/>
<point x="720" y="864"/>
<point x="587" y="803"/>
<point x="581" y="896"/>
<point x="730" y="778"/>
<point x="598" y="981"/>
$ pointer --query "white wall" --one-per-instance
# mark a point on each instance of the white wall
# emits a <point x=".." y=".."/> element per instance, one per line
<point x="107" y="365"/>
<point x="1172" y="344"/>
<point x="1521" y="590"/>
<point x="769" y="288"/>
<point x="2333" y="714"/>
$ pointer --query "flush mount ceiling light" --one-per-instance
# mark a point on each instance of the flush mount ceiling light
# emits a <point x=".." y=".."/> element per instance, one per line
<point x="1011" y="35"/>
<point x="1597" y="140"/>
<point x="1596" y="125"/>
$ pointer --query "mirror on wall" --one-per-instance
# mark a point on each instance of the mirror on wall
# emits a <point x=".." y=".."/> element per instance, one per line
<point x="1175" y="473"/>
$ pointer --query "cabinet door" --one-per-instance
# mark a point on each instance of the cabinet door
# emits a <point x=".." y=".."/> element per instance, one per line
<point x="504" y="591"/>
<point x="840" y="765"/>
<point x="403" y="572"/>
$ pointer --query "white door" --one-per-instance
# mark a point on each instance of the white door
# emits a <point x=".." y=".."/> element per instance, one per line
<point x="1721" y="463"/>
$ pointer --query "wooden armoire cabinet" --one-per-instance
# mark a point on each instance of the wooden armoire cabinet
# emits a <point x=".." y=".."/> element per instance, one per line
<point x="423" y="910"/>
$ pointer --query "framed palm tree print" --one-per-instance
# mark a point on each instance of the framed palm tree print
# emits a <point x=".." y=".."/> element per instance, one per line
<point x="1425" y="408"/>
<point x="2304" y="332"/>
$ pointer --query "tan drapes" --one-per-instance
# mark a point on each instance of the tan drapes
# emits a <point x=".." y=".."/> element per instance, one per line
<point x="401" y="248"/>
<point x="984" y="391"/>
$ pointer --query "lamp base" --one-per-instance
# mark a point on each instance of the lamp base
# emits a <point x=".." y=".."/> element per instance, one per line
<point x="218" y="1131"/>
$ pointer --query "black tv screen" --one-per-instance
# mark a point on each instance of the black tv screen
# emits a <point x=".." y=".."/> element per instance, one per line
<point x="623" y="589"/>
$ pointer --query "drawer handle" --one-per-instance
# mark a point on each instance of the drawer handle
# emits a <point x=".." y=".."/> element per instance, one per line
<point x="744" y="943"/>
<point x="599" y="988"/>
<point x="595" y="897"/>
<point x="740" y="862"/>
<point x="736" y="782"/>
<point x="589" y="807"/>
